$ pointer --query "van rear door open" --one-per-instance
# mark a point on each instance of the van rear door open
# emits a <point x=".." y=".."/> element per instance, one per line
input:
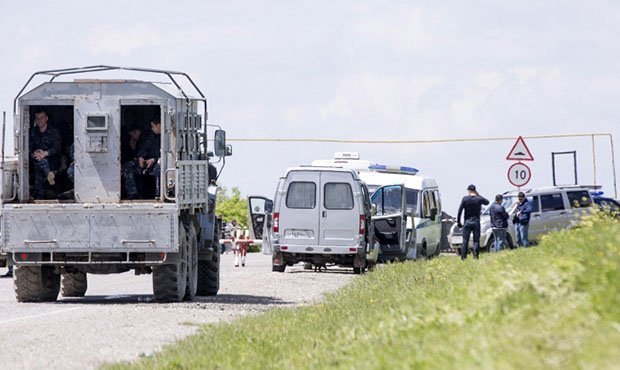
<point x="299" y="209"/>
<point x="339" y="210"/>
<point x="390" y="221"/>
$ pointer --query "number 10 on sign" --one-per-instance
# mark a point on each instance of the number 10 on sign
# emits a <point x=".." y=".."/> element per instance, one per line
<point x="519" y="174"/>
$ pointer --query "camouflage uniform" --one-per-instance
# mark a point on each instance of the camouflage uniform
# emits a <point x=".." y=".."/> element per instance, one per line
<point x="49" y="141"/>
<point x="149" y="149"/>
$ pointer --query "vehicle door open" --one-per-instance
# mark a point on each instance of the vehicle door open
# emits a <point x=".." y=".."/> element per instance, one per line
<point x="259" y="211"/>
<point x="390" y="221"/>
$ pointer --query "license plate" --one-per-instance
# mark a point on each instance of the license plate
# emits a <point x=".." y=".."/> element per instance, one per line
<point x="299" y="234"/>
<point x="457" y="240"/>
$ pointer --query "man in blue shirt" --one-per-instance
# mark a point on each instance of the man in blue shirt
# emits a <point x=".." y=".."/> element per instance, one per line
<point x="471" y="204"/>
<point x="522" y="220"/>
<point x="499" y="222"/>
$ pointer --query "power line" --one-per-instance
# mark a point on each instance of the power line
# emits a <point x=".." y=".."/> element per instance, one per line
<point x="417" y="141"/>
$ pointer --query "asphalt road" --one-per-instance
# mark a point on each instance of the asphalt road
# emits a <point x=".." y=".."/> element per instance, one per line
<point x="117" y="319"/>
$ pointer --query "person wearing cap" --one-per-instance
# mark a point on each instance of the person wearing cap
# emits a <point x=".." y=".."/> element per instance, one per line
<point x="499" y="222"/>
<point x="522" y="220"/>
<point x="471" y="204"/>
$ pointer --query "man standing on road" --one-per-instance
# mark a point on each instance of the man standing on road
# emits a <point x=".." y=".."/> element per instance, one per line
<point x="522" y="220"/>
<point x="499" y="222"/>
<point x="471" y="203"/>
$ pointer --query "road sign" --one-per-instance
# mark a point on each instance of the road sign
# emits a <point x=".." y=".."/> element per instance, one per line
<point x="519" y="174"/>
<point x="520" y="151"/>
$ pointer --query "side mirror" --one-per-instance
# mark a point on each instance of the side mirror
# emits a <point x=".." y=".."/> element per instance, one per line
<point x="433" y="214"/>
<point x="268" y="206"/>
<point x="220" y="143"/>
<point x="373" y="209"/>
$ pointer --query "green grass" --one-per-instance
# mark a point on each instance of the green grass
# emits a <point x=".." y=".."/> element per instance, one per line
<point x="554" y="306"/>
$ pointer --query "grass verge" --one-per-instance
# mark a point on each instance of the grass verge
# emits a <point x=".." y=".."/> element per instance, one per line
<point x="553" y="306"/>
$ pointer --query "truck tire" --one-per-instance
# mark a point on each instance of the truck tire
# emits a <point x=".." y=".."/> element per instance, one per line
<point x="192" y="263"/>
<point x="73" y="284"/>
<point x="209" y="272"/>
<point x="170" y="281"/>
<point x="36" y="283"/>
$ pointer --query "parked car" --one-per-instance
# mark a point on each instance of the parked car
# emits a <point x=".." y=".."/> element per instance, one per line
<point x="553" y="208"/>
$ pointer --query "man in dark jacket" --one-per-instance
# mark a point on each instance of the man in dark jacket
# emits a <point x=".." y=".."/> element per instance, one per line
<point x="145" y="163"/>
<point x="45" y="144"/>
<point x="522" y="220"/>
<point x="499" y="222"/>
<point x="471" y="204"/>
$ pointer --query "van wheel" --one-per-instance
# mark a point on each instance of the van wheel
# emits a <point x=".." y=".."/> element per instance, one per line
<point x="36" y="283"/>
<point x="73" y="284"/>
<point x="170" y="281"/>
<point x="278" y="268"/>
<point x="424" y="251"/>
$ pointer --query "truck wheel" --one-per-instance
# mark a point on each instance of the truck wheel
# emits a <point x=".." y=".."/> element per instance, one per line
<point x="170" y="281"/>
<point x="73" y="284"/>
<point x="192" y="264"/>
<point x="36" y="283"/>
<point x="209" y="272"/>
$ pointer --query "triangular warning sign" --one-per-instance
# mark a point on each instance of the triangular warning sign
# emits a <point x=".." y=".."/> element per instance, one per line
<point x="520" y="151"/>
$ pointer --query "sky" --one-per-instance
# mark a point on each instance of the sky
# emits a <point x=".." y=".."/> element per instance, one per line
<point x="356" y="70"/>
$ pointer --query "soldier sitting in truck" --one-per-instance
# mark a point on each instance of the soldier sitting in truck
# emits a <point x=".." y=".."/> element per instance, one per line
<point x="45" y="144"/>
<point x="145" y="163"/>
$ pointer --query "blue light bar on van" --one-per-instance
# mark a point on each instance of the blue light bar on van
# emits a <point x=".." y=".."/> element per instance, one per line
<point x="397" y="169"/>
<point x="597" y="193"/>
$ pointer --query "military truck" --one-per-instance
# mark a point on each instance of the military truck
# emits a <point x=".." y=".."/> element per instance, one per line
<point x="91" y="226"/>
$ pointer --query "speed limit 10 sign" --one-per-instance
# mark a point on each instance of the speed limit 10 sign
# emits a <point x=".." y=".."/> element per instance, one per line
<point x="519" y="174"/>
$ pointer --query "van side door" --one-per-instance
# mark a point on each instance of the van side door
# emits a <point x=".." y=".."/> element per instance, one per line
<point x="390" y="222"/>
<point x="339" y="210"/>
<point x="429" y="226"/>
<point x="298" y="209"/>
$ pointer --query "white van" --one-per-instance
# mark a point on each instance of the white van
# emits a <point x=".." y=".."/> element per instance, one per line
<point x="321" y="215"/>
<point x="423" y="203"/>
